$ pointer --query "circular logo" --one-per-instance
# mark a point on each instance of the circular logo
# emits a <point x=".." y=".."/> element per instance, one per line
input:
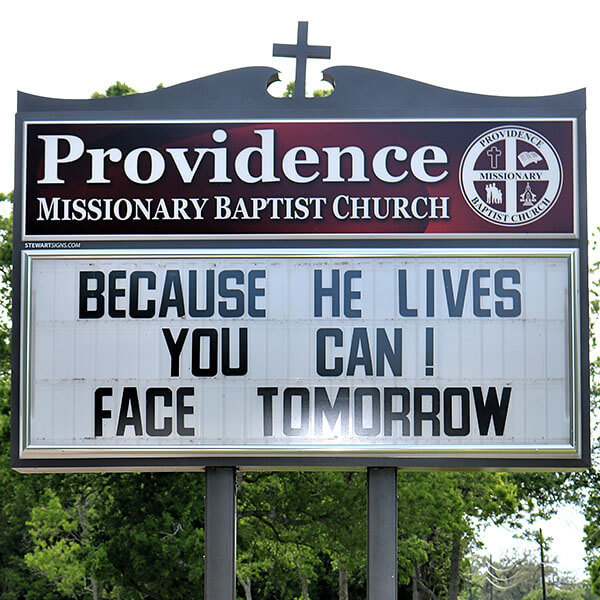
<point x="511" y="176"/>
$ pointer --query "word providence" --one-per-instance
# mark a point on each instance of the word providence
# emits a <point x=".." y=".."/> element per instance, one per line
<point x="299" y="156"/>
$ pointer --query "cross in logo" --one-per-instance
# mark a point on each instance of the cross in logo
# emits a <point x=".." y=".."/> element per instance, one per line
<point x="494" y="154"/>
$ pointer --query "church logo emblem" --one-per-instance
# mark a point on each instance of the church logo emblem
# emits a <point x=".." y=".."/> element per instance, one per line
<point x="511" y="176"/>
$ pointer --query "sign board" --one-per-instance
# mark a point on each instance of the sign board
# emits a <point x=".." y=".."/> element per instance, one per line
<point x="300" y="179"/>
<point x="300" y="282"/>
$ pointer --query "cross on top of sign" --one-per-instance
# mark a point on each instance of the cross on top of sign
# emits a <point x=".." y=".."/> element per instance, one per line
<point x="301" y="51"/>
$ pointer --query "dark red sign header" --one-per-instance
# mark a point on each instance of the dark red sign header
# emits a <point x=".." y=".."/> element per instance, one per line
<point x="305" y="178"/>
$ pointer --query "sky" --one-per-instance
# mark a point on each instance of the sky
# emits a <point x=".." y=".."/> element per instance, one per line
<point x="562" y="531"/>
<point x="69" y="49"/>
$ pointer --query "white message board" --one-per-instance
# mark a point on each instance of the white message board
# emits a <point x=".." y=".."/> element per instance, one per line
<point x="388" y="353"/>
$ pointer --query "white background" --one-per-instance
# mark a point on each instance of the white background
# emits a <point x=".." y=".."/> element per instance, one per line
<point x="69" y="48"/>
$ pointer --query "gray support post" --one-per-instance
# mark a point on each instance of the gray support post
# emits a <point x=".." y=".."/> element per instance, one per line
<point x="220" y="534"/>
<point x="382" y="534"/>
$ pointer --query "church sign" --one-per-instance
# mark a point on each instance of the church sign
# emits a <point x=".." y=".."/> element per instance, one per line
<point x="300" y="282"/>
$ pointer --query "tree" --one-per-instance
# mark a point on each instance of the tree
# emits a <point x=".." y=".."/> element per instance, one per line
<point x="590" y="481"/>
<point x="291" y="521"/>
<point x="117" y="89"/>
<point x="58" y="547"/>
<point x="437" y="524"/>
<point x="517" y="577"/>
<point x="289" y="92"/>
<point x="121" y="535"/>
<point x="19" y="493"/>
<point x="553" y="593"/>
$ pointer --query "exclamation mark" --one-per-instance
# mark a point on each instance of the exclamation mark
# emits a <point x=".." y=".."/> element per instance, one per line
<point x="429" y="351"/>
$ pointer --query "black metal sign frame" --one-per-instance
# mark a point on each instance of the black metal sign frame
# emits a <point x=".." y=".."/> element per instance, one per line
<point x="360" y="95"/>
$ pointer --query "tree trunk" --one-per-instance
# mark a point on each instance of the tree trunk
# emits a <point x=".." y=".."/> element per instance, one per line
<point x="420" y="591"/>
<point x="417" y="591"/>
<point x="343" y="585"/>
<point x="96" y="593"/>
<point x="454" y="569"/>
<point x="247" y="585"/>
<point x="304" y="581"/>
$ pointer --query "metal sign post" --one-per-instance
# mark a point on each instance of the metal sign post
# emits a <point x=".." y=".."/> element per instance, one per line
<point x="220" y="534"/>
<point x="382" y="534"/>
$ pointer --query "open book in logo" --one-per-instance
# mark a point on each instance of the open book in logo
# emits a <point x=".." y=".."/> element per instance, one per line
<point x="526" y="158"/>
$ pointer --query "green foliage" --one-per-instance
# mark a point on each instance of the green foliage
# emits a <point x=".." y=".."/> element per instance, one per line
<point x="591" y="479"/>
<point x="116" y="89"/>
<point x="19" y="493"/>
<point x="151" y="529"/>
<point x="288" y="522"/>
<point x="119" y="89"/>
<point x="553" y="593"/>
<point x="57" y="546"/>
<point x="595" y="575"/>
<point x="92" y="536"/>
<point x="289" y="91"/>
<point x="438" y="512"/>
<point x="541" y="494"/>
<point x="5" y="286"/>
<point x="519" y="577"/>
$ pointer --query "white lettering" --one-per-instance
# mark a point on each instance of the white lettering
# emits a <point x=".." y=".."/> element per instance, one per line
<point x="51" y="159"/>
<point x="44" y="214"/>
<point x="157" y="165"/>
<point x="98" y="155"/>
<point x="380" y="163"/>
<point x="291" y="160"/>
<point x="267" y="159"/>
<point x="428" y="155"/>
<point x="334" y="164"/>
